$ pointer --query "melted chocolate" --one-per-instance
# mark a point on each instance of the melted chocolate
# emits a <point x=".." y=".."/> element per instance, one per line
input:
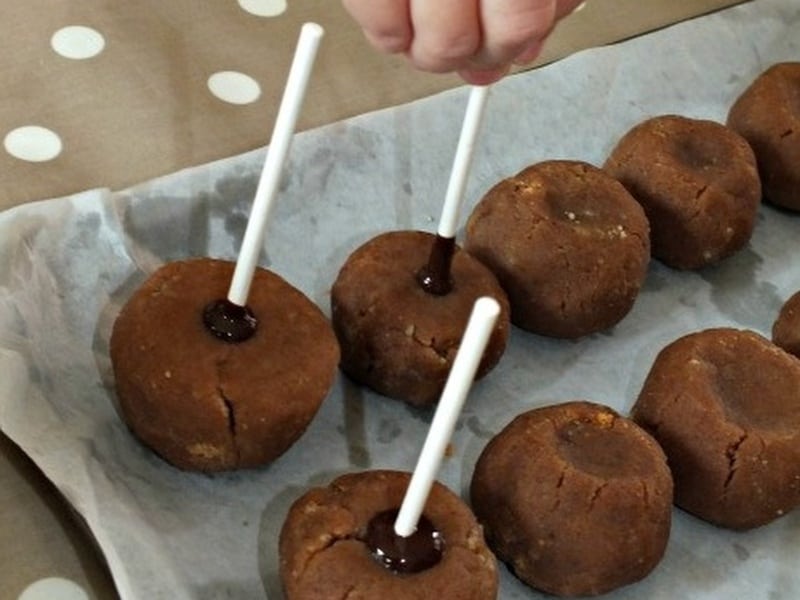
<point x="435" y="277"/>
<point x="228" y="321"/>
<point x="417" y="552"/>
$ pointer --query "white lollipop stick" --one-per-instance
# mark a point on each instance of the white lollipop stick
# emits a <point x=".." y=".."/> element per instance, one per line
<point x="448" y="223"/>
<point x="299" y="74"/>
<point x="473" y="343"/>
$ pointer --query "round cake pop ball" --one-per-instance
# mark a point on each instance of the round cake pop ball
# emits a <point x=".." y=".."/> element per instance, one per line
<point x="767" y="115"/>
<point x="568" y="243"/>
<point x="575" y="498"/>
<point x="206" y="406"/>
<point x="422" y="284"/>
<point x="325" y="552"/>
<point x="786" y="329"/>
<point x="698" y="183"/>
<point x="203" y="403"/>
<point x="724" y="405"/>
<point x="397" y="338"/>
<point x="429" y="542"/>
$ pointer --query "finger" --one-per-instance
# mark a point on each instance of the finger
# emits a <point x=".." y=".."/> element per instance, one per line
<point x="534" y="48"/>
<point x="446" y="34"/>
<point x="512" y="26"/>
<point x="386" y="23"/>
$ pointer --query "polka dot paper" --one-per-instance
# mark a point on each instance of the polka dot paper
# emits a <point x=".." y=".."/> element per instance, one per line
<point x="104" y="77"/>
<point x="263" y="8"/>
<point x="234" y="87"/>
<point x="114" y="81"/>
<point x="77" y="42"/>
<point x="33" y="143"/>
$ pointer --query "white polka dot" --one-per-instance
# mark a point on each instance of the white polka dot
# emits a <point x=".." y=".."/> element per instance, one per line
<point x="77" y="42"/>
<point x="53" y="588"/>
<point x="264" y="8"/>
<point x="33" y="143"/>
<point x="234" y="87"/>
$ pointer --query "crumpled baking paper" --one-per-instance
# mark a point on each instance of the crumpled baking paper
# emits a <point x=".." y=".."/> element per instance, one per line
<point x="67" y="266"/>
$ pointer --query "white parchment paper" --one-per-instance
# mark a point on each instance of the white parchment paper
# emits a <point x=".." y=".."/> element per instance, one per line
<point x="67" y="265"/>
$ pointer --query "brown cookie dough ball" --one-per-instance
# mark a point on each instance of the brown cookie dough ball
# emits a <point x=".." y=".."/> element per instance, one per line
<point x="208" y="405"/>
<point x="323" y="554"/>
<point x="786" y="329"/>
<point x="725" y="406"/>
<point x="767" y="115"/>
<point x="698" y="183"/>
<point x="576" y="498"/>
<point x="568" y="244"/>
<point x="397" y="338"/>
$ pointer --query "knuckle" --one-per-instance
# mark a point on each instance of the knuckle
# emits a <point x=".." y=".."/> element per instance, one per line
<point x="389" y="40"/>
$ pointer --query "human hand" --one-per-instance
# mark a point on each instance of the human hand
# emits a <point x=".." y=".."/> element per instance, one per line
<point x="479" y="39"/>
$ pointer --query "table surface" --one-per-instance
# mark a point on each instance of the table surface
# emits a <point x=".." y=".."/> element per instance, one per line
<point x="139" y="106"/>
